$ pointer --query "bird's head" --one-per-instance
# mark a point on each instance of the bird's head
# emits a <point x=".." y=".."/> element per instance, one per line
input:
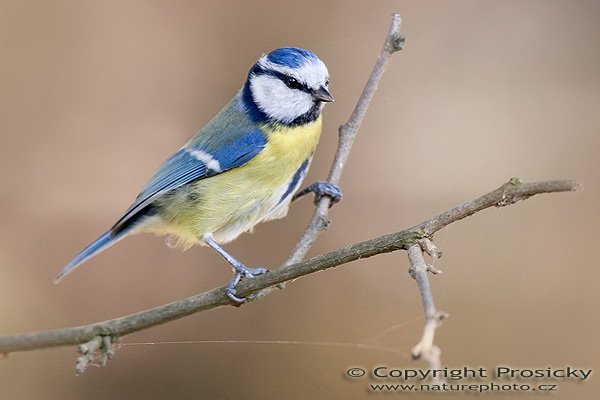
<point x="287" y="86"/>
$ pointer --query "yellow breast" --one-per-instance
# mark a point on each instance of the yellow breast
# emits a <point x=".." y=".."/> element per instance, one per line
<point x="286" y="150"/>
<point x="232" y="202"/>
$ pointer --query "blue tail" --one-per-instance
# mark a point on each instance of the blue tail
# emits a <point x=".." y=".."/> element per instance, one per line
<point x="100" y="244"/>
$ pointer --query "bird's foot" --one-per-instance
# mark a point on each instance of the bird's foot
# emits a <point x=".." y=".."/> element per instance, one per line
<point x="320" y="189"/>
<point x="241" y="271"/>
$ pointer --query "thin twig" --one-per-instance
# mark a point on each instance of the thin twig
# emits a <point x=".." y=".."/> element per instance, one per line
<point x="425" y="349"/>
<point x="507" y="194"/>
<point x="347" y="133"/>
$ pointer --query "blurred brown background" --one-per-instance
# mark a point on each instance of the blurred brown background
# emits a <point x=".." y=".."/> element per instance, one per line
<point x="95" y="94"/>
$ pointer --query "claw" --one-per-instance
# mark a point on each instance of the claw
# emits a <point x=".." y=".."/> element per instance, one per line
<point x="231" y="292"/>
<point x="320" y="189"/>
<point x="241" y="271"/>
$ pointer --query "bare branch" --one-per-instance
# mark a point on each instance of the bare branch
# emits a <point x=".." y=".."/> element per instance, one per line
<point x="508" y="193"/>
<point x="347" y="133"/>
<point x="425" y="349"/>
<point x="96" y="340"/>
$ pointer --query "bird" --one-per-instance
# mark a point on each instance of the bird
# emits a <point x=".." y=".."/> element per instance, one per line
<point x="240" y="169"/>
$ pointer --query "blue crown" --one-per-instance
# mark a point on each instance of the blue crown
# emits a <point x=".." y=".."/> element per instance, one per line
<point x="292" y="57"/>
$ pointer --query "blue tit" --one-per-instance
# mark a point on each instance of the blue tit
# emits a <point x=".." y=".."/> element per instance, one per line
<point x="242" y="168"/>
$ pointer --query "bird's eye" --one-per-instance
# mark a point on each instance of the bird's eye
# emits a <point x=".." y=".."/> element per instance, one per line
<point x="292" y="83"/>
<point x="327" y="82"/>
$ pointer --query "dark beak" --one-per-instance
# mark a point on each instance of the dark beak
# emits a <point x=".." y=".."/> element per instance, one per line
<point x="322" y="94"/>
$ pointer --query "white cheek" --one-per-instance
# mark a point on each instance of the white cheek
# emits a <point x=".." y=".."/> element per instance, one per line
<point x="277" y="100"/>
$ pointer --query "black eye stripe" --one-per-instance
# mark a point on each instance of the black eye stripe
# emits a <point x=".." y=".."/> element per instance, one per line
<point x="289" y="81"/>
<point x="258" y="70"/>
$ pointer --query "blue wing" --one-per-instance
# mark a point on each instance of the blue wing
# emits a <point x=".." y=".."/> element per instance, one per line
<point x="198" y="160"/>
<point x="230" y="140"/>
